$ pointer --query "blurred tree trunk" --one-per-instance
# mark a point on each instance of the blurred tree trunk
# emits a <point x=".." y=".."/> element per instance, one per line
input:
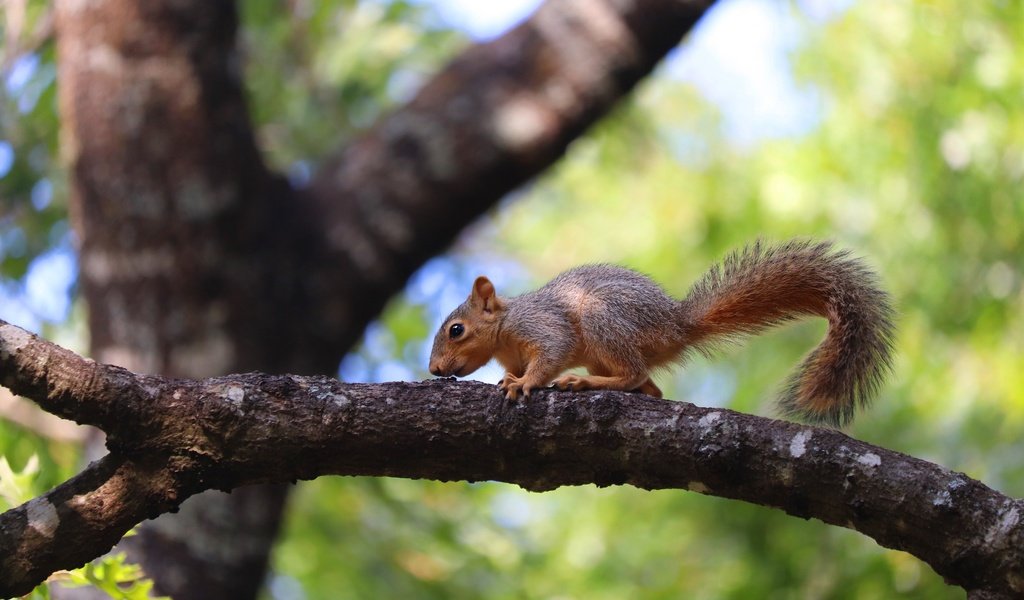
<point x="181" y="229"/>
<point x="196" y="260"/>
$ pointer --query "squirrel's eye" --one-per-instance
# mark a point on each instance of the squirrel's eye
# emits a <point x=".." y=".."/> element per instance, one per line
<point x="456" y="330"/>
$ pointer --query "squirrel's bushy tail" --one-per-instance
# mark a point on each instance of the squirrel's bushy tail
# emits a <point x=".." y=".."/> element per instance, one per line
<point x="761" y="286"/>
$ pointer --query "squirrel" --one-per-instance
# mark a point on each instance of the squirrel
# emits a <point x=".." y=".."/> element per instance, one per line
<point x="620" y="325"/>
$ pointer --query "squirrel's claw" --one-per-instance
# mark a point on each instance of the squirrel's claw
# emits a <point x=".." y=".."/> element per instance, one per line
<point x="513" y="392"/>
<point x="570" y="383"/>
<point x="512" y="385"/>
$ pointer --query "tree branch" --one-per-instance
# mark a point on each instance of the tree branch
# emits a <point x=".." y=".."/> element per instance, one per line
<point x="496" y="116"/>
<point x="65" y="384"/>
<point x="230" y="431"/>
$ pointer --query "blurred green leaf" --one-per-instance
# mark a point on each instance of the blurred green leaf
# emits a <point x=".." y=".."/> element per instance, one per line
<point x="16" y="486"/>
<point x="113" y="575"/>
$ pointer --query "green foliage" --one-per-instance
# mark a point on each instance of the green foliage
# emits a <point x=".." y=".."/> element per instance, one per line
<point x="112" y="575"/>
<point x="321" y="69"/>
<point x="32" y="211"/>
<point x="44" y="464"/>
<point x="16" y="486"/>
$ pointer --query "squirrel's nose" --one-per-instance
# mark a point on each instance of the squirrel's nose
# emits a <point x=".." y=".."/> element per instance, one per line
<point x="436" y="370"/>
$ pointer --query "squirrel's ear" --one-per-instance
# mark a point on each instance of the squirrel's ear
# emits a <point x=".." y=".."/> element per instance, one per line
<point x="484" y="296"/>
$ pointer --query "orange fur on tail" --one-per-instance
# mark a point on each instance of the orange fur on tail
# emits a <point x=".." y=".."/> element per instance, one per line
<point x="761" y="286"/>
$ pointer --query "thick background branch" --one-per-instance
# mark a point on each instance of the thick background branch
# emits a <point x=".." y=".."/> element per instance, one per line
<point x="499" y="114"/>
<point x="230" y="431"/>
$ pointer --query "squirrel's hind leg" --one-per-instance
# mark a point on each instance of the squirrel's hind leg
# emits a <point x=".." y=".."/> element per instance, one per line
<point x="650" y="388"/>
<point x="622" y="383"/>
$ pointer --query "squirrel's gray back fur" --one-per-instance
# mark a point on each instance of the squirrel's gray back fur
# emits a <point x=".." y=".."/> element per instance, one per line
<point x="607" y="306"/>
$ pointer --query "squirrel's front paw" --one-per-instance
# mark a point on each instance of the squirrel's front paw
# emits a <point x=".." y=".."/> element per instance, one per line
<point x="510" y="384"/>
<point x="570" y="382"/>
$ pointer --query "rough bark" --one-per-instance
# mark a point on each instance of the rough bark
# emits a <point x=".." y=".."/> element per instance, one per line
<point x="186" y="436"/>
<point x="196" y="260"/>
